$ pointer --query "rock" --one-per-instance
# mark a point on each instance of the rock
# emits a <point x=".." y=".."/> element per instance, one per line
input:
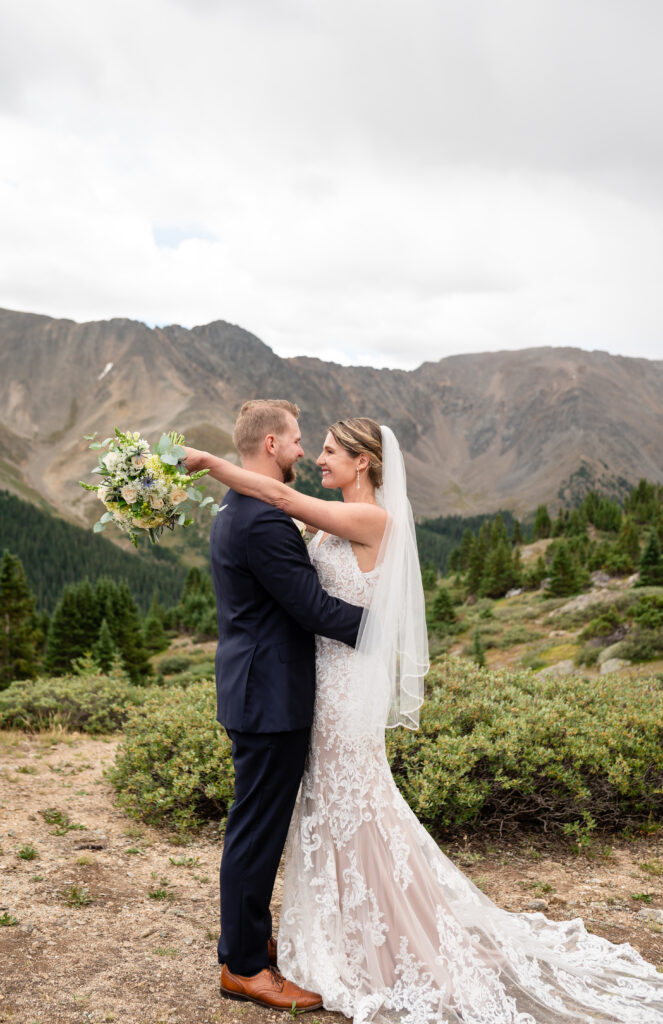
<point x="651" y="914"/>
<point x="599" y="578"/>
<point x="563" y="668"/>
<point x="514" y="592"/>
<point x="578" y="604"/>
<point x="537" y="905"/>
<point x="613" y="665"/>
<point x="609" y="652"/>
<point x="632" y="580"/>
<point x="147" y="933"/>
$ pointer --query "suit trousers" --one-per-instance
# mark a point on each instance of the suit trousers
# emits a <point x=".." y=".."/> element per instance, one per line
<point x="268" y="771"/>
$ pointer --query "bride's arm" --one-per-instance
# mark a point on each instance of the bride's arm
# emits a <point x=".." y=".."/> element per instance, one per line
<point x="357" y="521"/>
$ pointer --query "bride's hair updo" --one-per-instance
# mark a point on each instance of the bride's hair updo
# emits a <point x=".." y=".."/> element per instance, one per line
<point x="361" y="436"/>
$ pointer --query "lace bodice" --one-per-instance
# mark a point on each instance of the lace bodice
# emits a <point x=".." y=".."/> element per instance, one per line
<point x="378" y="919"/>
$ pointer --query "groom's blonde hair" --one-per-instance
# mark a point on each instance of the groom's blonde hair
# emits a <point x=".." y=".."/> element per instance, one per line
<point x="257" y="419"/>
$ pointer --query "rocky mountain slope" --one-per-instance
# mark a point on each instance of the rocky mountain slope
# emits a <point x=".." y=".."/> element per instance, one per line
<point x="480" y="432"/>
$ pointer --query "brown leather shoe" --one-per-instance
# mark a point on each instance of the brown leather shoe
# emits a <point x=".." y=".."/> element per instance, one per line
<point x="268" y="988"/>
<point x="272" y="951"/>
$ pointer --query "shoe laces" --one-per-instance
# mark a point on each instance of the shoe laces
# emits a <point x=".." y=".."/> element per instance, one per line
<point x="277" y="977"/>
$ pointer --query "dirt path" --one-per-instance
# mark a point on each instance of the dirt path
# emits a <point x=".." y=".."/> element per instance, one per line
<point x="133" y="958"/>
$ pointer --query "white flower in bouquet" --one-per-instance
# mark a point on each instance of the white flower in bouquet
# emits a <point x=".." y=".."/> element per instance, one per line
<point x="144" y="490"/>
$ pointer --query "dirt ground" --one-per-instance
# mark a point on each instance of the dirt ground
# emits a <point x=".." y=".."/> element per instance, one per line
<point x="143" y="950"/>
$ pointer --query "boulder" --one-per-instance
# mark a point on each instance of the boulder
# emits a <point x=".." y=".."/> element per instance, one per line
<point x="613" y="665"/>
<point x="609" y="653"/>
<point x="567" y="667"/>
<point x="651" y="914"/>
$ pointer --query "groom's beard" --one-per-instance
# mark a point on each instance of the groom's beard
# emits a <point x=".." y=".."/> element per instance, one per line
<point x="288" y="472"/>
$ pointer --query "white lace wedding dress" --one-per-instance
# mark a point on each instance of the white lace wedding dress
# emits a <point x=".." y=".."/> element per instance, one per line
<point x="382" y="924"/>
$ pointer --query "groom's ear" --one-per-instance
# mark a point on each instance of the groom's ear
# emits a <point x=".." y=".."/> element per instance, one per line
<point x="270" y="444"/>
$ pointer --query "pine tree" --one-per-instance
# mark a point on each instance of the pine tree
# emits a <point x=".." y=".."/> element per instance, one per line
<point x="628" y="541"/>
<point x="565" y="576"/>
<point x="154" y="635"/>
<point x="651" y="562"/>
<point x="466" y="545"/>
<point x="442" y="611"/>
<point x="498" y="572"/>
<point x="478" y="649"/>
<point x="476" y="564"/>
<point x="73" y="629"/>
<point x="19" y="626"/>
<point x="428" y="577"/>
<point x="105" y="650"/>
<point x="125" y="629"/>
<point x="517" y="533"/>
<point x="542" y="524"/>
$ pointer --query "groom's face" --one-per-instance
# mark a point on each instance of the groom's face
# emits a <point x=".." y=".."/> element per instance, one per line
<point x="289" y="449"/>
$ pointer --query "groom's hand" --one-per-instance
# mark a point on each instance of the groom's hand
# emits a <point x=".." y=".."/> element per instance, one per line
<point x="195" y="459"/>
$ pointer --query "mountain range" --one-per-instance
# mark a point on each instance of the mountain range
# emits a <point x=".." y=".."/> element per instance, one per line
<point x="479" y="432"/>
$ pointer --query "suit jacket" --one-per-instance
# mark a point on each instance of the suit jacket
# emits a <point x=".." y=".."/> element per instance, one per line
<point x="270" y="604"/>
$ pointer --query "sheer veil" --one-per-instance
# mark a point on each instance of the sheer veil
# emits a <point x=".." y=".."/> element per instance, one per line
<point x="392" y="648"/>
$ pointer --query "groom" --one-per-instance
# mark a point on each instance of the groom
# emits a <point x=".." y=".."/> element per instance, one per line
<point x="270" y="606"/>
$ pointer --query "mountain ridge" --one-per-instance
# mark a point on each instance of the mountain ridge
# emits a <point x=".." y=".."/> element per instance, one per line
<point x="479" y="431"/>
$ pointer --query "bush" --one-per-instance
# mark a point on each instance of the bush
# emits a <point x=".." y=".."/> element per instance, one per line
<point x="643" y="645"/>
<point x="174" y="663"/>
<point x="82" y="703"/>
<point x="506" y="748"/>
<point x="174" y="764"/>
<point x="495" y="748"/>
<point x="648" y="612"/>
<point x="604" y="625"/>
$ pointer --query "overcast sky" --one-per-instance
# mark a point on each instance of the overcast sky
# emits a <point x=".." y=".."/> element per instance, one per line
<point x="362" y="180"/>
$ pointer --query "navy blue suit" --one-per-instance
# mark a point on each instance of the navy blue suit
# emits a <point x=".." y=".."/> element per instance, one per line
<point x="270" y="604"/>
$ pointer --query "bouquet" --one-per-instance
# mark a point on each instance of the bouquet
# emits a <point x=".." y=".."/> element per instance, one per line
<point x="144" y="490"/>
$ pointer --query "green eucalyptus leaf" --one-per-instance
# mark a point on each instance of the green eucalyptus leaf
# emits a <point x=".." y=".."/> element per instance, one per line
<point x="206" y="501"/>
<point x="163" y="446"/>
<point x="99" y="527"/>
<point x="180" y="519"/>
<point x="106" y="518"/>
<point x="194" y="493"/>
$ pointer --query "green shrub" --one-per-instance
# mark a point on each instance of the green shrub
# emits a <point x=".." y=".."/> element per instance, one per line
<point x="588" y="655"/>
<point x="648" y="612"/>
<point x="518" y="635"/>
<point x="643" y="645"/>
<point x="174" y="764"/>
<point x="174" y="663"/>
<point x="81" y="703"/>
<point x="605" y="624"/>
<point x="500" y="747"/>
<point x="494" y="748"/>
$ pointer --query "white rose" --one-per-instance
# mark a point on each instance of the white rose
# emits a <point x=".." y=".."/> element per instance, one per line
<point x="178" y="495"/>
<point x="111" y="460"/>
<point x="138" y="461"/>
<point x="129" y="493"/>
<point x="155" y="501"/>
<point x="102" y="494"/>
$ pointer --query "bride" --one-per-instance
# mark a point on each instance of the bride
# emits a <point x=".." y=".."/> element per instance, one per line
<point x="375" y="917"/>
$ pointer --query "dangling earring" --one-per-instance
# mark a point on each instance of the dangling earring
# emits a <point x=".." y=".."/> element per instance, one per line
<point x="357" y="477"/>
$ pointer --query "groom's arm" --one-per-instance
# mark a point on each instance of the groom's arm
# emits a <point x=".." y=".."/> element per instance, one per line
<point x="278" y="558"/>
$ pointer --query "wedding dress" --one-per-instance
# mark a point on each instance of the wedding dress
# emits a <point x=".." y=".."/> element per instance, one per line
<point x="379" y="921"/>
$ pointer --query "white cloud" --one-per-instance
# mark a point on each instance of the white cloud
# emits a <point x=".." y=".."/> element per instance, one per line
<point x="371" y="182"/>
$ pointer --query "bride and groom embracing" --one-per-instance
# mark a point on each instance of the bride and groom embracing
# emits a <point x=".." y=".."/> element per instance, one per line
<point x="320" y="650"/>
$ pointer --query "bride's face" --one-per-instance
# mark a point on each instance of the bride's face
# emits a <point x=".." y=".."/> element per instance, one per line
<point x="338" y="467"/>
